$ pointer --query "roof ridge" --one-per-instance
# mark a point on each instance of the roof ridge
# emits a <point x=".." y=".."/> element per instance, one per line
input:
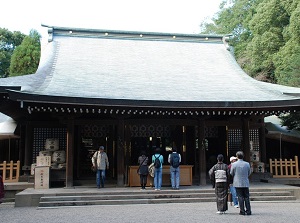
<point x="135" y="35"/>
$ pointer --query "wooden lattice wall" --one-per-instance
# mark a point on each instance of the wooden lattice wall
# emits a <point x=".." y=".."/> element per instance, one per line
<point x="40" y="136"/>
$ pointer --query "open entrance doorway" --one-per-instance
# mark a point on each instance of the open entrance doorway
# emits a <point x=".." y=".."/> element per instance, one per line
<point x="149" y="144"/>
<point x="90" y="137"/>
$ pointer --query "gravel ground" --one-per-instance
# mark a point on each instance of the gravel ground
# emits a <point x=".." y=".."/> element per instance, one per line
<point x="262" y="212"/>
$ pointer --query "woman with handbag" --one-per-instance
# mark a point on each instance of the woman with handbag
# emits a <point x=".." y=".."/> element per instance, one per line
<point x="143" y="169"/>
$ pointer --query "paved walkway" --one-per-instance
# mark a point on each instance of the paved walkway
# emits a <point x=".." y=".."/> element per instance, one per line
<point x="263" y="212"/>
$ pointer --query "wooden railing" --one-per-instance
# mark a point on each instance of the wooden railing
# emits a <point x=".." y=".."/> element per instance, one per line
<point x="284" y="168"/>
<point x="10" y="172"/>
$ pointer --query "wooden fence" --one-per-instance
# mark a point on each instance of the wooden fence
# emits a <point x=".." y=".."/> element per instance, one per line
<point x="10" y="171"/>
<point x="284" y="168"/>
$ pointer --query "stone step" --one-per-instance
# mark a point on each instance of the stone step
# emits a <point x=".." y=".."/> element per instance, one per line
<point x="124" y="197"/>
<point x="273" y="198"/>
<point x="123" y="202"/>
<point x="151" y="197"/>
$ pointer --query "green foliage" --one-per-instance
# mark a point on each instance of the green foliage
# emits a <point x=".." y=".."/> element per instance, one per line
<point x="25" y="59"/>
<point x="294" y="26"/>
<point x="285" y="61"/>
<point x="261" y="50"/>
<point x="291" y="120"/>
<point x="287" y="57"/>
<point x="290" y="70"/>
<point x="290" y="5"/>
<point x="8" y="42"/>
<point x="294" y="72"/>
<point x="270" y="14"/>
<point x="267" y="27"/>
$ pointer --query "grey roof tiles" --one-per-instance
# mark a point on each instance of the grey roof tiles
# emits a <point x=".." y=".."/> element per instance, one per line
<point x="129" y="66"/>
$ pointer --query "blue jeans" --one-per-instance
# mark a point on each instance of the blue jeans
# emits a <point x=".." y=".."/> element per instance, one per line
<point x="157" y="178"/>
<point x="100" y="178"/>
<point x="233" y="195"/>
<point x="175" y="176"/>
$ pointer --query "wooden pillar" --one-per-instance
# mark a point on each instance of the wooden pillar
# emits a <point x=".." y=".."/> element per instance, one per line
<point x="120" y="154"/>
<point x="202" y="153"/>
<point x="127" y="153"/>
<point x="246" y="139"/>
<point x="70" y="154"/>
<point x="262" y="142"/>
<point x="183" y="144"/>
<point x="196" y="160"/>
<point x="21" y="155"/>
<point x="28" y="145"/>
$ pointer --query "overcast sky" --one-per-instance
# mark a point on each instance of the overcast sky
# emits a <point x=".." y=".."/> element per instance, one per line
<point x="179" y="16"/>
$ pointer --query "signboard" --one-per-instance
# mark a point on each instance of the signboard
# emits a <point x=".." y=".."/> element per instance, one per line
<point x="41" y="177"/>
<point x="43" y="161"/>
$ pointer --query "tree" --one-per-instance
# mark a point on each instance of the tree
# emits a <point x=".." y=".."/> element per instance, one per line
<point x="25" y="59"/>
<point x="8" y="42"/>
<point x="267" y="27"/>
<point x="291" y="120"/>
<point x="266" y="40"/>
<point x="286" y="59"/>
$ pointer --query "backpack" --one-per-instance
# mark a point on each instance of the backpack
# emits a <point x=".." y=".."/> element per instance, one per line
<point x="157" y="163"/>
<point x="175" y="160"/>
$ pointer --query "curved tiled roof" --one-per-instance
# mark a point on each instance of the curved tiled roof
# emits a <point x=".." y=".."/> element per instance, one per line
<point x="151" y="67"/>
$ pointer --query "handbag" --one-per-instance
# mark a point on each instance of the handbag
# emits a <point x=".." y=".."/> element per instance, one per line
<point x="151" y="169"/>
<point x="94" y="168"/>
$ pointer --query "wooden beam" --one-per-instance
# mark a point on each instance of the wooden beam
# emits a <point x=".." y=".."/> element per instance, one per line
<point x="171" y="121"/>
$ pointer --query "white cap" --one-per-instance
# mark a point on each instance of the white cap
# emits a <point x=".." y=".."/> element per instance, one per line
<point x="233" y="158"/>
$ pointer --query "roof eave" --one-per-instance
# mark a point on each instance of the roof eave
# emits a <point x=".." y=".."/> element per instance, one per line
<point x="5" y="89"/>
<point x="224" y="105"/>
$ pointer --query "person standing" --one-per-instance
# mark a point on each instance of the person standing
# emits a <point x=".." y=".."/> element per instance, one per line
<point x="158" y="160"/>
<point x="174" y="159"/>
<point x="231" y="187"/>
<point x="143" y="169"/>
<point x="240" y="171"/>
<point x="100" y="162"/>
<point x="219" y="175"/>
